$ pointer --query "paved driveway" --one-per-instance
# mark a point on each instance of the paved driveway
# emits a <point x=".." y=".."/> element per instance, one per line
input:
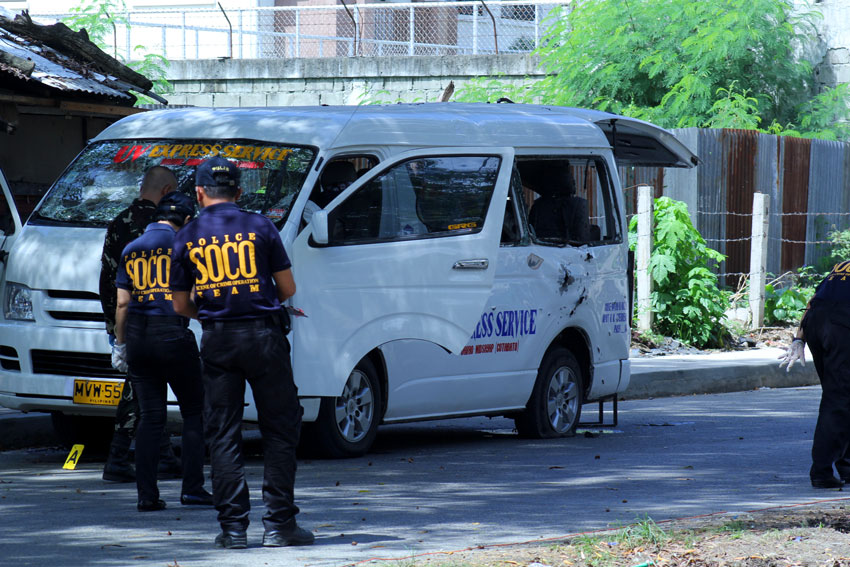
<point x="441" y="486"/>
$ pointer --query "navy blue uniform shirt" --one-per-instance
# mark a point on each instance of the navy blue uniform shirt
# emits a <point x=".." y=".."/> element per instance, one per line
<point x="144" y="271"/>
<point x="836" y="286"/>
<point x="229" y="256"/>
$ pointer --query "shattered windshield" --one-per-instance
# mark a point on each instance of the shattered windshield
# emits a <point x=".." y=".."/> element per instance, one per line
<point x="106" y="177"/>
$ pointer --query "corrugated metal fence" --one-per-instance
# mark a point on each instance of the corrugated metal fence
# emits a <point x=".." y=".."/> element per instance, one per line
<point x="808" y="182"/>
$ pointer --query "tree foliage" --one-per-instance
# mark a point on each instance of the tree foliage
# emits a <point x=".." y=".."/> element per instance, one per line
<point x="680" y="63"/>
<point x="99" y="18"/>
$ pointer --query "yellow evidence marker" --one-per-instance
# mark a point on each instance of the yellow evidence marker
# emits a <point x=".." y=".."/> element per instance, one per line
<point x="73" y="457"/>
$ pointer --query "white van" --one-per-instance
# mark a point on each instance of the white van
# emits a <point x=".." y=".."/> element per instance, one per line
<point x="476" y="264"/>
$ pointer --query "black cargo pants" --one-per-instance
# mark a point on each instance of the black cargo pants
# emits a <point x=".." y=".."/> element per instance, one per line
<point x="256" y="351"/>
<point x="162" y="352"/>
<point x="826" y="328"/>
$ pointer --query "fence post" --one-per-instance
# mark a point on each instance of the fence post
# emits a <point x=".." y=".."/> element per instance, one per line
<point x="758" y="258"/>
<point x="183" y="29"/>
<point x="298" y="32"/>
<point x="411" y="31"/>
<point x="644" y="250"/>
<point x="475" y="29"/>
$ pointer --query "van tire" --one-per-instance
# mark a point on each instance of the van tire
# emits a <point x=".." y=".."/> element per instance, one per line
<point x="347" y="425"/>
<point x="95" y="432"/>
<point x="554" y="408"/>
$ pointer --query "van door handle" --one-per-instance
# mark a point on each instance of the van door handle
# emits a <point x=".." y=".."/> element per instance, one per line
<point x="476" y="264"/>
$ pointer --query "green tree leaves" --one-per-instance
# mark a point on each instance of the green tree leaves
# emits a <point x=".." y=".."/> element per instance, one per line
<point x="681" y="63"/>
<point x="98" y="18"/>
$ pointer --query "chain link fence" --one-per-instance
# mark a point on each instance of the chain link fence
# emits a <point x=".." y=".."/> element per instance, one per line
<point x="385" y="29"/>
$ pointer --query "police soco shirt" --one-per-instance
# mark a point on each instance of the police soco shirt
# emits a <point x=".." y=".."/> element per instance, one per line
<point x="836" y="286"/>
<point x="229" y="256"/>
<point x="144" y="271"/>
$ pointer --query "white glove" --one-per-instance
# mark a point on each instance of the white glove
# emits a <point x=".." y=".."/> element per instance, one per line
<point x="793" y="353"/>
<point x="119" y="357"/>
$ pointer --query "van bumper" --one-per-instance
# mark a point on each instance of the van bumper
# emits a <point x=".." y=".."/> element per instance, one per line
<point x="39" y="364"/>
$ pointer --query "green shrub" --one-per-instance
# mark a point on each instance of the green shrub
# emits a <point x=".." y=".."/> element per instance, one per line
<point x="686" y="301"/>
<point x="784" y="305"/>
<point x="840" y="247"/>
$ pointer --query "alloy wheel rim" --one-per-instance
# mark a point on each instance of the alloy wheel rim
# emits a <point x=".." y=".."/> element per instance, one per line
<point x="562" y="399"/>
<point x="354" y="409"/>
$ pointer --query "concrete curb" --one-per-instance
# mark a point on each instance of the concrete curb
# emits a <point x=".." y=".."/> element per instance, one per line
<point x="715" y="381"/>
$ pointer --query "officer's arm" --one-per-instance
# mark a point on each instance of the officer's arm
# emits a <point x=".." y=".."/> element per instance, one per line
<point x="285" y="284"/>
<point x="183" y="304"/>
<point x="121" y="314"/>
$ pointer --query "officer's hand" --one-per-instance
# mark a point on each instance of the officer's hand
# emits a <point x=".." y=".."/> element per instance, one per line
<point x="796" y="351"/>
<point x="119" y="357"/>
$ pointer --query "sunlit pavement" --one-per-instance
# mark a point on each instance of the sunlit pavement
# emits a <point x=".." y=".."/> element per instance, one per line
<point x="441" y="486"/>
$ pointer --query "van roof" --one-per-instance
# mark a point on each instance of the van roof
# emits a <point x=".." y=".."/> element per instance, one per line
<point x="403" y="125"/>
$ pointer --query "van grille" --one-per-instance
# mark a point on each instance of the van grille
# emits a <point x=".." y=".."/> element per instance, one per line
<point x="77" y="316"/>
<point x="64" y="363"/>
<point x="68" y="294"/>
<point x="9" y="358"/>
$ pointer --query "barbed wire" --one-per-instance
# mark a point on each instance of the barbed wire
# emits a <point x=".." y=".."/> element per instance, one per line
<point x="793" y="214"/>
<point x="743" y="238"/>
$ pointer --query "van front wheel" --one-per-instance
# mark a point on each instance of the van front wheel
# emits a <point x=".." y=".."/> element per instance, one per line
<point x="554" y="408"/>
<point x="347" y="425"/>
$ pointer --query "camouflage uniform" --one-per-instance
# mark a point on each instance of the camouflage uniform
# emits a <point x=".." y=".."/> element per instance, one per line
<point x="127" y="226"/>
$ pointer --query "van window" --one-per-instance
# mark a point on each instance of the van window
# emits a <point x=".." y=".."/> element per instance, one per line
<point x="105" y="178"/>
<point x="571" y="200"/>
<point x="418" y="198"/>
<point x="512" y="227"/>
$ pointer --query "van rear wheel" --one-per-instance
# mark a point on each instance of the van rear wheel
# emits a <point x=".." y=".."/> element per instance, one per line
<point x="347" y="425"/>
<point x="554" y="408"/>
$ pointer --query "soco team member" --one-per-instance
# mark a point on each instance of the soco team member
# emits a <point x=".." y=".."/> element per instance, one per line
<point x="161" y="351"/>
<point x="128" y="225"/>
<point x="241" y="274"/>
<point x="826" y="328"/>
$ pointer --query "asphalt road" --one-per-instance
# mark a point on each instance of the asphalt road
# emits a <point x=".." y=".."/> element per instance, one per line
<point x="441" y="486"/>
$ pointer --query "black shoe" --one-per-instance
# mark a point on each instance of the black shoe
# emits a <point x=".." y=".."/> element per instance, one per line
<point x="202" y="498"/>
<point x="232" y="539"/>
<point x="119" y="473"/>
<point x="292" y="536"/>
<point x="827" y="482"/>
<point x="150" y="505"/>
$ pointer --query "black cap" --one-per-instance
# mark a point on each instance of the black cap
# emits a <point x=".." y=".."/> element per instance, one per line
<point x="178" y="202"/>
<point x="217" y="172"/>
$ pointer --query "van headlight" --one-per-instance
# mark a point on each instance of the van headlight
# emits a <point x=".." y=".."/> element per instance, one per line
<point x="18" y="302"/>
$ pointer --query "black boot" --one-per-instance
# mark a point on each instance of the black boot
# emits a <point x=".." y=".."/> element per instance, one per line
<point x="118" y="467"/>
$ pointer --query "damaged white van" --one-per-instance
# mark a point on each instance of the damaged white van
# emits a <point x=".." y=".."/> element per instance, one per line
<point x="452" y="259"/>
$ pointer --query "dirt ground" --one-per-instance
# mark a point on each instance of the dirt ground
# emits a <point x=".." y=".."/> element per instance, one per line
<point x="765" y="337"/>
<point x="811" y="536"/>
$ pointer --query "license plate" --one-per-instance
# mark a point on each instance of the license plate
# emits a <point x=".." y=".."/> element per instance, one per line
<point x="97" y="393"/>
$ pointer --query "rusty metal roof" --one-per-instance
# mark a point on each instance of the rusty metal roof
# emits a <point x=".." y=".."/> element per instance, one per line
<point x="31" y="61"/>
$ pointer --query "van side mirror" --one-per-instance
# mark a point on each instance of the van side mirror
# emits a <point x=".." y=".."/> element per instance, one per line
<point x="319" y="223"/>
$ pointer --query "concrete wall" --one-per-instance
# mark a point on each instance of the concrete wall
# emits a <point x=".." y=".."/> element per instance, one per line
<point x="339" y="80"/>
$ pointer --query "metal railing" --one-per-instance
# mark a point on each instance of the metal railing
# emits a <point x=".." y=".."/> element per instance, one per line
<point x="378" y="29"/>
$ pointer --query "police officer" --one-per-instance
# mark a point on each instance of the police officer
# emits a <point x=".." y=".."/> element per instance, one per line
<point x="161" y="351"/>
<point x="241" y="274"/>
<point x="126" y="226"/>
<point x="826" y="328"/>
